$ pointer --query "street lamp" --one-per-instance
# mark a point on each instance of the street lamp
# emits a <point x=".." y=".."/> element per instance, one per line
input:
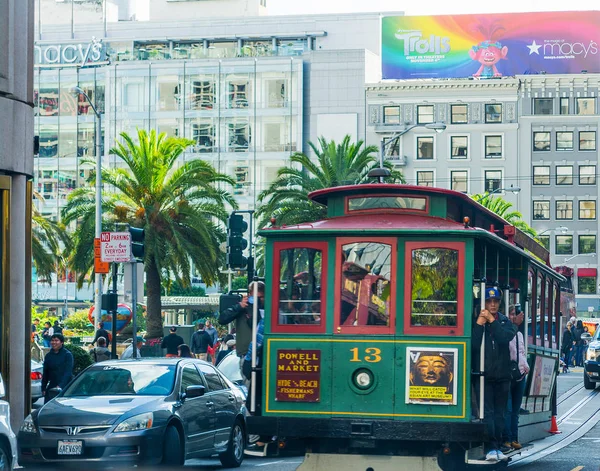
<point x="562" y="229"/>
<point x="98" y="280"/>
<point x="513" y="189"/>
<point x="593" y="254"/>
<point x="437" y="127"/>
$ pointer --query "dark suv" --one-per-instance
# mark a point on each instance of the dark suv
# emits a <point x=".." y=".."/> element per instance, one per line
<point x="591" y="365"/>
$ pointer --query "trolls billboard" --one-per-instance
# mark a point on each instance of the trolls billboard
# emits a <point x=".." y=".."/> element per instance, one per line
<point x="487" y="46"/>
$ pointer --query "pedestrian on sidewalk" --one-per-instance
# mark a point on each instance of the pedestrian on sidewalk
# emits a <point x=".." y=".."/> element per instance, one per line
<point x="171" y="342"/>
<point x="58" y="366"/>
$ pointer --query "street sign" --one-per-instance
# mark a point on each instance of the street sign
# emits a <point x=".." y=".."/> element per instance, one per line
<point x="115" y="247"/>
<point x="99" y="266"/>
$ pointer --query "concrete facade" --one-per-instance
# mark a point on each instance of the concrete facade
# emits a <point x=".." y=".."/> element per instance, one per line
<point x="16" y="167"/>
<point x="250" y="90"/>
<point x="548" y="151"/>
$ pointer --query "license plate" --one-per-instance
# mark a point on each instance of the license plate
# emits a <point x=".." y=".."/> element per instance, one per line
<point x="70" y="447"/>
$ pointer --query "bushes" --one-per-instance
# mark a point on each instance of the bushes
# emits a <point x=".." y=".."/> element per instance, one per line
<point x="81" y="358"/>
<point x="79" y="320"/>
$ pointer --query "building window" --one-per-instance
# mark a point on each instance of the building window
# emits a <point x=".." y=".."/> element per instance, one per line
<point x="564" y="174"/>
<point x="544" y="240"/>
<point x="391" y="114"/>
<point x="424" y="114"/>
<point x="564" y="140"/>
<point x="541" y="175"/>
<point x="459" y="114"/>
<point x="203" y="132"/>
<point x="541" y="210"/>
<point x="587" y="174"/>
<point x="541" y="141"/>
<point x="585" y="106"/>
<point x="458" y="180"/>
<point x="493" y="147"/>
<point x="393" y="149"/>
<point x="587" y="244"/>
<point x="238" y="136"/>
<point x="238" y="93"/>
<point x="425" y="178"/>
<point x="564" y="244"/>
<point x="493" y="180"/>
<point x="459" y="146"/>
<point x="425" y="148"/>
<point x="564" y="105"/>
<point x="493" y="113"/>
<point x="564" y="210"/>
<point x="586" y="285"/>
<point x="587" y="209"/>
<point x="587" y="140"/>
<point x="543" y="106"/>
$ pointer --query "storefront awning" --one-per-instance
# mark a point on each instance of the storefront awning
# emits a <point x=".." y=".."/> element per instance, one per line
<point x="587" y="272"/>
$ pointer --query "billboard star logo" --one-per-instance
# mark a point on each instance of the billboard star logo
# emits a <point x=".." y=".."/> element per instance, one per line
<point x="534" y="48"/>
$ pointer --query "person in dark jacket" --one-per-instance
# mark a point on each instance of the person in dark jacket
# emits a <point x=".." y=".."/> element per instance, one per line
<point x="57" y="328"/>
<point x="567" y="345"/>
<point x="201" y="340"/>
<point x="171" y="342"/>
<point x="58" y="366"/>
<point x="496" y="330"/>
<point x="241" y="313"/>
<point x="101" y="332"/>
<point x="579" y="344"/>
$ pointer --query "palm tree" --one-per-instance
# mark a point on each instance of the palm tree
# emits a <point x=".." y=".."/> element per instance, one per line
<point x="346" y="163"/>
<point x="178" y="205"/>
<point x="48" y="240"/>
<point x="502" y="208"/>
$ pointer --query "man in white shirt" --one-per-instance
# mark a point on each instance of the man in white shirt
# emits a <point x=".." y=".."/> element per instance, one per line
<point x="128" y="353"/>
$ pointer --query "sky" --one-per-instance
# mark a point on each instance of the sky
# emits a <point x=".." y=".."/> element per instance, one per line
<point x="423" y="7"/>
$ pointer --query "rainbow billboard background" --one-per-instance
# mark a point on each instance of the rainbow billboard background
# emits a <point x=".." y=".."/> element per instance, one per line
<point x="490" y="45"/>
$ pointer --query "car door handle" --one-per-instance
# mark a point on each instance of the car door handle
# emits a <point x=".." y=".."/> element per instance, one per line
<point x="231" y="398"/>
<point x="210" y="404"/>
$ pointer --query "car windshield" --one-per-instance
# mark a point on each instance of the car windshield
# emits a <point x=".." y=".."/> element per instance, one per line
<point x="135" y="379"/>
<point x="230" y="367"/>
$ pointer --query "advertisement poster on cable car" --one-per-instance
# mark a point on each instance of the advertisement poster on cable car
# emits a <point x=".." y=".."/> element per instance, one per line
<point x="542" y="376"/>
<point x="431" y="375"/>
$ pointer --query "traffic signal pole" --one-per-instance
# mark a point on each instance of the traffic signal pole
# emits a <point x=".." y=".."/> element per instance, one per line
<point x="114" y="313"/>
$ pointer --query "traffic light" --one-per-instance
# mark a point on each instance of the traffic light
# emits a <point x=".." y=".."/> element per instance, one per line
<point x="236" y="244"/>
<point x="137" y="242"/>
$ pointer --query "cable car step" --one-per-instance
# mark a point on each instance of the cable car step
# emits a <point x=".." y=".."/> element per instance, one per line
<point x="509" y="454"/>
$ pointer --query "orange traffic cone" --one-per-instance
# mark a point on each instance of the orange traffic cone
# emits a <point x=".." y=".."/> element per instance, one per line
<point x="554" y="427"/>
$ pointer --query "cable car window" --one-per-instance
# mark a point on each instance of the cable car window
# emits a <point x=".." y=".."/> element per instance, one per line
<point x="365" y="284"/>
<point x="387" y="202"/>
<point x="539" y="307"/>
<point x="300" y="286"/>
<point x="434" y="287"/>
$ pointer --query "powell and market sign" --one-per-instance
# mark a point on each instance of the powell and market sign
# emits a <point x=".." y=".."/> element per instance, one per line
<point x="70" y="55"/>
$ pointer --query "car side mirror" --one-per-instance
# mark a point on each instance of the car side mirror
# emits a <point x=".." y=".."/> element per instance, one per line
<point x="586" y="336"/>
<point x="52" y="393"/>
<point x="194" y="391"/>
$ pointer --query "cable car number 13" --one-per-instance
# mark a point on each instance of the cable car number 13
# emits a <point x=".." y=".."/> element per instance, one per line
<point x="370" y="355"/>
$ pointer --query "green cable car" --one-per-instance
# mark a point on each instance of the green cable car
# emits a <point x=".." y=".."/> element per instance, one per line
<point x="356" y="303"/>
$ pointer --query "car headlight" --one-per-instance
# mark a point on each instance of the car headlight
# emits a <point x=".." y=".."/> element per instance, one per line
<point x="135" y="423"/>
<point x="28" y="425"/>
<point x="592" y="354"/>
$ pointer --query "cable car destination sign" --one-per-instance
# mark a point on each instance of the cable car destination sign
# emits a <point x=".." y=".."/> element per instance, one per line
<point x="115" y="247"/>
<point x="298" y="375"/>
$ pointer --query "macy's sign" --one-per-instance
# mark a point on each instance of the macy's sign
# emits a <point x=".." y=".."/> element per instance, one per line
<point x="80" y="55"/>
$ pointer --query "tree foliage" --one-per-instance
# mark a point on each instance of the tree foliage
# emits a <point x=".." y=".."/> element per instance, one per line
<point x="333" y="164"/>
<point x="503" y="209"/>
<point x="179" y="205"/>
<point x="48" y="241"/>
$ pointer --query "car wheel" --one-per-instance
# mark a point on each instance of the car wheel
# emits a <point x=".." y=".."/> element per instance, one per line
<point x="234" y="455"/>
<point x="587" y="383"/>
<point x="172" y="455"/>
<point x="5" y="457"/>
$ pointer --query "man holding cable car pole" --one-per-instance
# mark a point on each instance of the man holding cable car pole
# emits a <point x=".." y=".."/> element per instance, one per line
<point x="497" y="331"/>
